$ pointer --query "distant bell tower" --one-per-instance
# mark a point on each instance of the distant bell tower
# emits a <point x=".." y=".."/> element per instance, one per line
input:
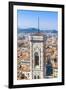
<point x="37" y="54"/>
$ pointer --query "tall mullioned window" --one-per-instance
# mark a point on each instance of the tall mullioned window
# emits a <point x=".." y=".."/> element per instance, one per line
<point x="36" y="58"/>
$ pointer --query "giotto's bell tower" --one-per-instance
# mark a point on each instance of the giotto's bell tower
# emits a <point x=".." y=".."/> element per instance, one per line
<point x="37" y="55"/>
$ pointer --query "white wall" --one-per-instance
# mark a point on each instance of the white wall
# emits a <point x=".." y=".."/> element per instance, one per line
<point x="4" y="43"/>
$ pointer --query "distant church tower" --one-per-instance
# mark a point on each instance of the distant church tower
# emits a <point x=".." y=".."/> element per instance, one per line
<point x="37" y="55"/>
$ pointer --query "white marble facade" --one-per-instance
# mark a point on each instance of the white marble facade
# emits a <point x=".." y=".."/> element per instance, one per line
<point x="36" y="53"/>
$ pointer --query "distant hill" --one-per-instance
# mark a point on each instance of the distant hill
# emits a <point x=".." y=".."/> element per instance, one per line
<point x="33" y="30"/>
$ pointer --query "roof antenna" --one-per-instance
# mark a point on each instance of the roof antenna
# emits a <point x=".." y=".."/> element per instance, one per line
<point x="38" y="24"/>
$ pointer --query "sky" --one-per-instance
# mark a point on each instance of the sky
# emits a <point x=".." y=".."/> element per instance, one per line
<point x="29" y="19"/>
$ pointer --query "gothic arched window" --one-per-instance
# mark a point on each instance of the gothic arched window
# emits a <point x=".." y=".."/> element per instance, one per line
<point x="36" y="58"/>
<point x="34" y="77"/>
<point x="38" y="77"/>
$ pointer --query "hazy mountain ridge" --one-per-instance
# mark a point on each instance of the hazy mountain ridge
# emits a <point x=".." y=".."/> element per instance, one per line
<point x="30" y="30"/>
